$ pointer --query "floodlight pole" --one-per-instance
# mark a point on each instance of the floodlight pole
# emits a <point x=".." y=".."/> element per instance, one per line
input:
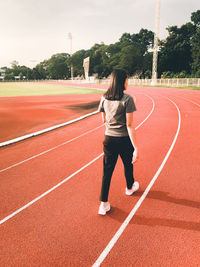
<point x="155" y="50"/>
<point x="70" y="38"/>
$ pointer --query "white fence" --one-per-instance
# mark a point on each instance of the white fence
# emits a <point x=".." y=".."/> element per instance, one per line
<point x="168" y="82"/>
<point x="160" y="82"/>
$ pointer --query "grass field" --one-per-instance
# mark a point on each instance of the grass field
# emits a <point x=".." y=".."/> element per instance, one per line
<point x="9" y="89"/>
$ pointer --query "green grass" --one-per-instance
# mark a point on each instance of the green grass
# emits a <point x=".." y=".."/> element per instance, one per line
<point x="8" y="89"/>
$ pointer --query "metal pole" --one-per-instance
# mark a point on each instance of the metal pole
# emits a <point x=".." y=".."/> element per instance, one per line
<point x="70" y="38"/>
<point x="155" y="50"/>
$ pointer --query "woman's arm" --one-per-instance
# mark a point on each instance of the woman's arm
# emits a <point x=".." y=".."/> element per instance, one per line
<point x="131" y="132"/>
<point x="103" y="115"/>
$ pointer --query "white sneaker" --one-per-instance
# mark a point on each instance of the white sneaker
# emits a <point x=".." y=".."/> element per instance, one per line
<point x="103" y="208"/>
<point x="134" y="188"/>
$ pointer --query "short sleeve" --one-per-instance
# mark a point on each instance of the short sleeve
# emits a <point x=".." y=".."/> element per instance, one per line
<point x="101" y="108"/>
<point x="130" y="105"/>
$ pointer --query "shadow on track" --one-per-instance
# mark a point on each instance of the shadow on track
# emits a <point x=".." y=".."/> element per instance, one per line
<point x="120" y="216"/>
<point x="156" y="221"/>
<point x="163" y="196"/>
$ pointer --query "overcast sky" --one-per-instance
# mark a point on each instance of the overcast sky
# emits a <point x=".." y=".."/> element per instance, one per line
<point x="34" y="30"/>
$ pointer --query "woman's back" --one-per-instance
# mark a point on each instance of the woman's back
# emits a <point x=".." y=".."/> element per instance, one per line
<point x="115" y="111"/>
<point x="117" y="114"/>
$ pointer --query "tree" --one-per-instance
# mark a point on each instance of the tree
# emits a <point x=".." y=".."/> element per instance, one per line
<point x="144" y="39"/>
<point x="175" y="52"/>
<point x="113" y="53"/>
<point x="77" y="61"/>
<point x="57" y="67"/>
<point x="179" y="56"/>
<point x="14" y="64"/>
<point x="99" y="60"/>
<point x="134" y="54"/>
<point x="131" y="59"/>
<point x="147" y="65"/>
<point x="40" y="71"/>
<point x="9" y="77"/>
<point x="195" y="18"/>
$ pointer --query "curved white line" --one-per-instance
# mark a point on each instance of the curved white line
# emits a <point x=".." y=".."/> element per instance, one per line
<point x="149" y="113"/>
<point x="53" y="148"/>
<point x="48" y="191"/>
<point x="189" y="100"/>
<point x="59" y="184"/>
<point x="117" y="235"/>
<point x="21" y="138"/>
<point x="73" y="139"/>
<point x="24" y="137"/>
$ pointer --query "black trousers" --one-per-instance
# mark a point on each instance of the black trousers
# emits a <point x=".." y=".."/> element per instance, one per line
<point x="113" y="147"/>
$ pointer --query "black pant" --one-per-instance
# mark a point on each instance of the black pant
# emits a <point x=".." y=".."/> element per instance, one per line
<point x="114" y="146"/>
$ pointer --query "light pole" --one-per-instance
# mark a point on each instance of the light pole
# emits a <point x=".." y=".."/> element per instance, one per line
<point x="155" y="49"/>
<point x="70" y="38"/>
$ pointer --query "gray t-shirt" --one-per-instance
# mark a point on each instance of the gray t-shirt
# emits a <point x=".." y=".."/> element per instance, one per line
<point x="115" y="111"/>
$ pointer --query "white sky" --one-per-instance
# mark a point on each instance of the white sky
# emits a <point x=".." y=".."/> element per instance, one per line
<point x="34" y="30"/>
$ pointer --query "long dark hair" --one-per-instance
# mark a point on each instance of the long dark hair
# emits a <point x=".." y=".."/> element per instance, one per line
<point x="116" y="88"/>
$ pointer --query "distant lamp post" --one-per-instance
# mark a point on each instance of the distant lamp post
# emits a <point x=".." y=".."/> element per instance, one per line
<point x="70" y="38"/>
<point x="155" y="49"/>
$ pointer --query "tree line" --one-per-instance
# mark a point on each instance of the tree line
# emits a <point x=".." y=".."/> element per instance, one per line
<point x="178" y="56"/>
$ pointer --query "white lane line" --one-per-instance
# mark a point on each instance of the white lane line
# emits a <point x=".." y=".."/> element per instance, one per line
<point x="117" y="235"/>
<point x="73" y="139"/>
<point x="190" y="101"/>
<point x="21" y="138"/>
<point x="53" y="148"/>
<point x="59" y="184"/>
<point x="24" y="137"/>
<point x="50" y="190"/>
<point x="149" y="113"/>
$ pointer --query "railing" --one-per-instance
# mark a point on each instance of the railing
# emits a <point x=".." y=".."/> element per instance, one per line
<point x="168" y="82"/>
<point x="160" y="82"/>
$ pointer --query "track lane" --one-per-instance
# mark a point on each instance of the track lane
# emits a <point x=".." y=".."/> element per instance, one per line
<point x="72" y="206"/>
<point x="130" y="216"/>
<point x="166" y="231"/>
<point x="31" y="147"/>
<point x="28" y="114"/>
<point x="51" y="149"/>
<point x="24" y="183"/>
<point x="27" y="181"/>
<point x="58" y="242"/>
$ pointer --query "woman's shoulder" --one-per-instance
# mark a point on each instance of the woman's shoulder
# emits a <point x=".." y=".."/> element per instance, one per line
<point x="127" y="97"/>
<point x="103" y="98"/>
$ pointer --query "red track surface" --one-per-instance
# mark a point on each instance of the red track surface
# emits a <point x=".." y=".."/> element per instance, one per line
<point x="24" y="115"/>
<point x="64" y="229"/>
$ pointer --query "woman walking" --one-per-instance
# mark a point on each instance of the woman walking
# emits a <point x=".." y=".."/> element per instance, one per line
<point x="117" y="113"/>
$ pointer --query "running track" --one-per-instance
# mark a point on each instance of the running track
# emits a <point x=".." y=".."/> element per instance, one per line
<point x="44" y="223"/>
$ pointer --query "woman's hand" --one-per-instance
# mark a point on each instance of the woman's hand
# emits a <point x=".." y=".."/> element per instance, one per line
<point x="131" y="133"/>
<point x="135" y="155"/>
